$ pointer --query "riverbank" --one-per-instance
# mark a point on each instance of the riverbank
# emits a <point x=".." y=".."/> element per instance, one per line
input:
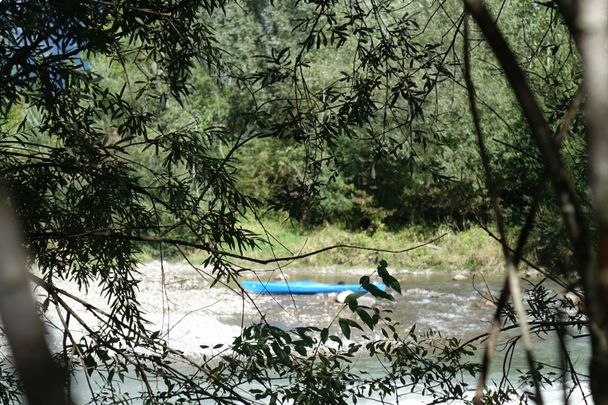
<point x="469" y="250"/>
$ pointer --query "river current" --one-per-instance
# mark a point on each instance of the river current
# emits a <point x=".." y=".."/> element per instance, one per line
<point x="178" y="301"/>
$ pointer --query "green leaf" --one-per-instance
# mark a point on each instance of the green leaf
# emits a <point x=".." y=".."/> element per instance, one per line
<point x="376" y="292"/>
<point x="300" y="349"/>
<point x="336" y="339"/>
<point x="351" y="300"/>
<point x="344" y="327"/>
<point x="102" y="354"/>
<point x="324" y="335"/>
<point x="389" y="280"/>
<point x="90" y="364"/>
<point x="366" y="318"/>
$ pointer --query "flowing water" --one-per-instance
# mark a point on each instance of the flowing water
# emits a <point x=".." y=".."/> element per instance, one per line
<point x="430" y="300"/>
<point x="190" y="314"/>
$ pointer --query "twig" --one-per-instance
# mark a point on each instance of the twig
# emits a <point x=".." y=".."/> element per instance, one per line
<point x="125" y="5"/>
<point x="135" y="362"/>
<point x="511" y="278"/>
<point x="566" y="195"/>
<point x="107" y="233"/>
<point x="560" y="136"/>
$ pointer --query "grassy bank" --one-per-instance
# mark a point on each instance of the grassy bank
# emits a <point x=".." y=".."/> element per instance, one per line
<point x="470" y="250"/>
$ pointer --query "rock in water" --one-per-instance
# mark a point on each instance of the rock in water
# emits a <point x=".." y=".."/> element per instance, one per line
<point x="574" y="299"/>
<point x="365" y="300"/>
<point x="532" y="273"/>
<point x="341" y="298"/>
<point x="281" y="277"/>
<point x="459" y="277"/>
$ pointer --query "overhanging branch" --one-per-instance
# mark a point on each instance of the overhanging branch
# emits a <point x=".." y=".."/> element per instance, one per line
<point x="210" y="249"/>
<point x="566" y="195"/>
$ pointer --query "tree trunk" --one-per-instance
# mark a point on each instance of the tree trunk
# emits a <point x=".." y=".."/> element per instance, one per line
<point x="43" y="380"/>
<point x="592" y="28"/>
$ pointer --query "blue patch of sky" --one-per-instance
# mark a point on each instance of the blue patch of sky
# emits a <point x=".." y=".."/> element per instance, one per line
<point x="45" y="52"/>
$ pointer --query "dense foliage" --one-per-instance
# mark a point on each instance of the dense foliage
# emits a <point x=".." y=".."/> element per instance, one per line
<point x="165" y="125"/>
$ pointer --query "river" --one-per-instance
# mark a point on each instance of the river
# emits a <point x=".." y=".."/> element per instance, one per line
<point x="179" y="302"/>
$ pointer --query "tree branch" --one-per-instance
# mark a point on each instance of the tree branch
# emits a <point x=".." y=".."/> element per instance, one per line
<point x="566" y="195"/>
<point x="102" y="233"/>
<point x="511" y="280"/>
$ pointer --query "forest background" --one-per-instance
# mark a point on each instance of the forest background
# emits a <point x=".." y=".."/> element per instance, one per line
<point x="227" y="132"/>
<point x="389" y="179"/>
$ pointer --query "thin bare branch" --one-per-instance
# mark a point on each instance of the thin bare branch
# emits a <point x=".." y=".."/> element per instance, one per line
<point x="207" y="248"/>
<point x="566" y="196"/>
<point x="512" y="280"/>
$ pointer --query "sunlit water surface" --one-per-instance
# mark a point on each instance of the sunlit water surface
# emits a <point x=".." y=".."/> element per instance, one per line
<point x="192" y="315"/>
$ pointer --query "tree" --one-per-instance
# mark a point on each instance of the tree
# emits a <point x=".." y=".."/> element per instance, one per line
<point x="105" y="153"/>
<point x="68" y="146"/>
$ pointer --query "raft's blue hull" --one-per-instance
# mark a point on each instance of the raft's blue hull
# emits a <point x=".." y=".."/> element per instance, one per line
<point x="301" y="287"/>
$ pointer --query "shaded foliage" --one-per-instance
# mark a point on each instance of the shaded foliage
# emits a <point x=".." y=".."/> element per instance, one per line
<point x="165" y="124"/>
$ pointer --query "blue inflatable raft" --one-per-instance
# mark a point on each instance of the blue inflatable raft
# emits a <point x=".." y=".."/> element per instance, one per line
<point x="301" y="287"/>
